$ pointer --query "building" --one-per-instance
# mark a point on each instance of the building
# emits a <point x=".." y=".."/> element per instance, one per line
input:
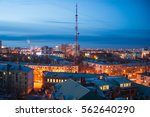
<point x="100" y="67"/>
<point x="52" y="78"/>
<point x="40" y="68"/>
<point x="5" y="50"/>
<point x="143" y="78"/>
<point x="69" y="90"/>
<point x="58" y="54"/>
<point x="46" y="50"/>
<point x="132" y="69"/>
<point x="121" y="87"/>
<point x="16" y="79"/>
<point x="145" y="53"/>
<point x="67" y="49"/>
<point x="116" y="69"/>
<point x="59" y="60"/>
<point x="104" y="86"/>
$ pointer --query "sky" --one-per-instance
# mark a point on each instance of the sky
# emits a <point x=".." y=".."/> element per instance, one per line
<point x="128" y="18"/>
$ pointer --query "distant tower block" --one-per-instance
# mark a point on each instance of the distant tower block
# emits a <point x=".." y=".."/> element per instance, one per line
<point x="76" y="45"/>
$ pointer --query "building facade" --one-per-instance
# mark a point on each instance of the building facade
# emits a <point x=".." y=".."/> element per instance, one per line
<point x="39" y="69"/>
<point x="16" y="79"/>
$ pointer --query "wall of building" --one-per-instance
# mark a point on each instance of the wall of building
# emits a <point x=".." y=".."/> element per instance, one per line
<point x="39" y="69"/>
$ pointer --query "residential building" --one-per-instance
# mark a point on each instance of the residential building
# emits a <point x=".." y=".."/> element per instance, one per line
<point x="52" y="78"/>
<point x="40" y="68"/>
<point x="16" y="79"/>
<point x="143" y="78"/>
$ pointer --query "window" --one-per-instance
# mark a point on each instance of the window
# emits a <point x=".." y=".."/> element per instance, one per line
<point x="121" y="85"/>
<point x="129" y="84"/>
<point x="101" y="88"/>
<point x="47" y="80"/>
<point x="51" y="80"/>
<point x="104" y="88"/>
<point x="125" y="85"/>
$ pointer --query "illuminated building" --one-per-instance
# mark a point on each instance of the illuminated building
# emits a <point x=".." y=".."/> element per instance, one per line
<point x="5" y="50"/>
<point x="143" y="78"/>
<point x="145" y="53"/>
<point x="115" y="69"/>
<point x="16" y="79"/>
<point x="132" y="69"/>
<point x="39" y="69"/>
<point x="58" y="54"/>
<point x="121" y="87"/>
<point x="52" y="78"/>
<point x="67" y="49"/>
<point x="101" y="84"/>
<point x="111" y="69"/>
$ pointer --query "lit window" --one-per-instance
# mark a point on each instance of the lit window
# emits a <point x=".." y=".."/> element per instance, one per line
<point x="105" y="87"/>
<point x="4" y="73"/>
<point x="101" y="88"/>
<point x="56" y="80"/>
<point x="47" y="80"/>
<point x="129" y="84"/>
<point x="121" y="85"/>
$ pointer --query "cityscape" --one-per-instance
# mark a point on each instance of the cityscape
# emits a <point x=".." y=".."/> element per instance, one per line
<point x="71" y="70"/>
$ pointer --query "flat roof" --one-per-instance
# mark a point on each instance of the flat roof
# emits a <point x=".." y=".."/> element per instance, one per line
<point x="118" y="79"/>
<point x="14" y="67"/>
<point x="70" y="75"/>
<point x="99" y="82"/>
<point x="101" y="62"/>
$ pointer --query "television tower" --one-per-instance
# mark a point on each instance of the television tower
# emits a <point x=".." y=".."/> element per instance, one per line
<point x="76" y="53"/>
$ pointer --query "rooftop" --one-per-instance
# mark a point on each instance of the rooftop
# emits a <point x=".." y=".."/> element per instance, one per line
<point x="70" y="90"/>
<point x="102" y="62"/>
<point x="100" y="82"/>
<point x="71" y="75"/>
<point x="14" y="67"/>
<point x="145" y="74"/>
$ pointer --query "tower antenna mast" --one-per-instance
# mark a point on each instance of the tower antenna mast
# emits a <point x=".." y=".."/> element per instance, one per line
<point x="76" y="33"/>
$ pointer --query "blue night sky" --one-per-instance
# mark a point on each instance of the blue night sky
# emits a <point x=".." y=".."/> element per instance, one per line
<point x="128" y="18"/>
